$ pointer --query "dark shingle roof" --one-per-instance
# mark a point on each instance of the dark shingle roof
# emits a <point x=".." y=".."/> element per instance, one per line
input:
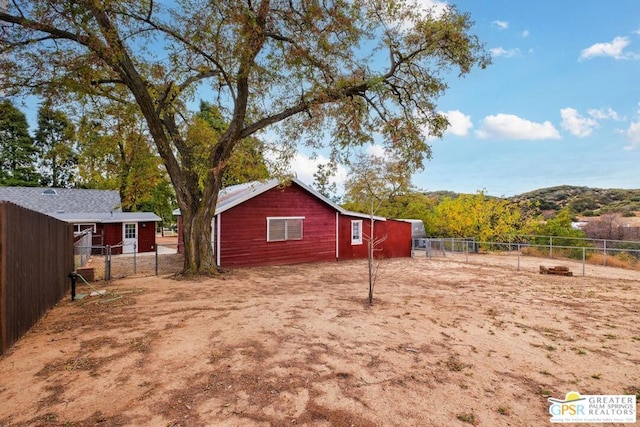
<point x="52" y="201"/>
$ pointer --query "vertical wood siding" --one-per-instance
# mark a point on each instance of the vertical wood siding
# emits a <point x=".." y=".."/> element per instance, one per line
<point x="113" y="236"/>
<point x="397" y="244"/>
<point x="146" y="236"/>
<point x="244" y="230"/>
<point x="36" y="257"/>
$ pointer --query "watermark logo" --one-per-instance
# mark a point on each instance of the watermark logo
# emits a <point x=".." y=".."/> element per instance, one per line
<point x="593" y="408"/>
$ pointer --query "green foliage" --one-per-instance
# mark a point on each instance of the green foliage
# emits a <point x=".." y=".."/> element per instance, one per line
<point x="485" y="218"/>
<point x="374" y="182"/>
<point x="247" y="161"/>
<point x="322" y="181"/>
<point x="17" y="153"/>
<point x="115" y="153"/>
<point x="558" y="227"/>
<point x="583" y="200"/>
<point x="55" y="141"/>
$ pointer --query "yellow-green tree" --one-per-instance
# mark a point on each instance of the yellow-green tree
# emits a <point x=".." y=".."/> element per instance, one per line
<point x="115" y="152"/>
<point x="475" y="215"/>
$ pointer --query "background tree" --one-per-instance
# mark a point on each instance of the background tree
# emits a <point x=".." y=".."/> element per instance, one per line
<point x="372" y="181"/>
<point x="116" y="153"/>
<point x="55" y="142"/>
<point x="353" y="69"/>
<point x="560" y="228"/>
<point x="323" y="183"/>
<point x="17" y="153"/>
<point x="476" y="215"/>
<point x="247" y="162"/>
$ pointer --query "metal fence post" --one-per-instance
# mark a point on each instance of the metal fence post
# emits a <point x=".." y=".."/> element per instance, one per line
<point x="605" y="252"/>
<point x="466" y="250"/>
<point x="135" y="251"/>
<point x="584" y="258"/>
<point x="518" y="256"/>
<point x="550" y="247"/>
<point x="156" y="266"/>
<point x="107" y="263"/>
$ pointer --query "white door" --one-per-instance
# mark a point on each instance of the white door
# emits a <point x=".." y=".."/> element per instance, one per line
<point x="130" y="237"/>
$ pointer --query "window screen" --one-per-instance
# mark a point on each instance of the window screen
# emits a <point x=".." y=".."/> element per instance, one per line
<point x="356" y="232"/>
<point x="279" y="229"/>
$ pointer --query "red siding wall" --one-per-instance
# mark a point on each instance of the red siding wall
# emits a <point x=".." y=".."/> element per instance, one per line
<point x="244" y="230"/>
<point x="346" y="249"/>
<point x="397" y="244"/>
<point x="113" y="236"/>
<point x="146" y="236"/>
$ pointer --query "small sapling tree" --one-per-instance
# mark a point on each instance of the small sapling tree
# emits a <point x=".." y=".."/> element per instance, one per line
<point x="372" y="181"/>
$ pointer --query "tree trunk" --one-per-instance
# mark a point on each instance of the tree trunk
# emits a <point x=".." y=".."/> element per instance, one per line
<point x="196" y="234"/>
<point x="198" y="209"/>
<point x="370" y="248"/>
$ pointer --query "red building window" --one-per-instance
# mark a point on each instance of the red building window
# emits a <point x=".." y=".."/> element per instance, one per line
<point x="284" y="228"/>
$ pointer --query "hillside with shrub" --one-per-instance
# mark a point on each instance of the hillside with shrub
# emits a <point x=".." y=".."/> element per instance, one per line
<point x="584" y="201"/>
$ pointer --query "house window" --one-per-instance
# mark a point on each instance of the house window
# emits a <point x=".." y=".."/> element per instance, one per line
<point x="78" y="228"/>
<point x="130" y="231"/>
<point x="356" y="232"/>
<point x="281" y="228"/>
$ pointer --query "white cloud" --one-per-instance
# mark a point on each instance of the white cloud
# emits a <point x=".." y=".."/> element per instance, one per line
<point x="615" y="50"/>
<point x="576" y="124"/>
<point x="633" y="135"/>
<point x="436" y="6"/>
<point x="525" y="33"/>
<point x="376" y="150"/>
<point x="422" y="8"/>
<point x="500" y="51"/>
<point x="509" y="126"/>
<point x="303" y="167"/>
<point x="502" y="25"/>
<point x="459" y="123"/>
<point x="603" y="114"/>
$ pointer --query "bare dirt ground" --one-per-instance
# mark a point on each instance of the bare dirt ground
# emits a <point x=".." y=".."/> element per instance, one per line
<point x="446" y="343"/>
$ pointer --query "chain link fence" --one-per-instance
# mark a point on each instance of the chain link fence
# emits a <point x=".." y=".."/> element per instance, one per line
<point x="583" y="252"/>
<point x="107" y="262"/>
<point x="82" y="244"/>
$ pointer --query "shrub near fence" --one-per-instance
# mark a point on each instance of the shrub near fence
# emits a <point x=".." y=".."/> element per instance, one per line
<point x="36" y="257"/>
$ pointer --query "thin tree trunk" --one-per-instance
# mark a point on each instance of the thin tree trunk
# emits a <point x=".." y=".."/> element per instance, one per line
<point x="370" y="256"/>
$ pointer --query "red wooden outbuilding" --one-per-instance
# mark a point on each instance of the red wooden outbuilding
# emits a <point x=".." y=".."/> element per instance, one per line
<point x="125" y="232"/>
<point x="98" y="210"/>
<point x="266" y="223"/>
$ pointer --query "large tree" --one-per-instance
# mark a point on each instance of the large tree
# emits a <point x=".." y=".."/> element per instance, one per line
<point x="55" y="141"/>
<point x="17" y="152"/>
<point x="352" y="68"/>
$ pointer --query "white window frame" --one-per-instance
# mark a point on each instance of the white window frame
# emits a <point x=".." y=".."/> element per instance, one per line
<point x="356" y="239"/>
<point x="285" y="219"/>
<point x="125" y="229"/>
<point x="77" y="227"/>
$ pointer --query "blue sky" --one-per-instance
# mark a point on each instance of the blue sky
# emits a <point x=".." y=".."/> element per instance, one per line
<point x="559" y="105"/>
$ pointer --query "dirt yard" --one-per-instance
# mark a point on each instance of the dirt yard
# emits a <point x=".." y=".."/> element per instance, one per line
<point x="446" y="343"/>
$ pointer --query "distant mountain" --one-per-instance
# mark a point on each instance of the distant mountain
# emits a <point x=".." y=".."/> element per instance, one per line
<point x="584" y="200"/>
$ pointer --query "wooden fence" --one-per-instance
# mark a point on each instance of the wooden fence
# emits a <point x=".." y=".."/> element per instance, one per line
<point x="36" y="257"/>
